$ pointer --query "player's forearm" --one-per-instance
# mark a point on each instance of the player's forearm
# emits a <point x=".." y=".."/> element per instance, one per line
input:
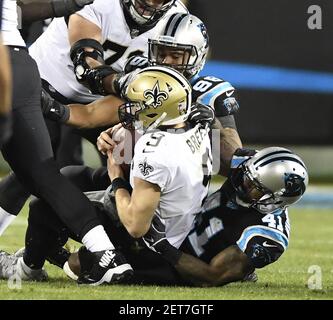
<point x="34" y="10"/>
<point x="127" y="215"/>
<point x="195" y="271"/>
<point x="100" y="113"/>
<point x="89" y="116"/>
<point x="229" y="142"/>
<point x="228" y="266"/>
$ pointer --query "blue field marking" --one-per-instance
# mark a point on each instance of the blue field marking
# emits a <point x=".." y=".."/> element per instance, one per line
<point x="316" y="199"/>
<point x="249" y="76"/>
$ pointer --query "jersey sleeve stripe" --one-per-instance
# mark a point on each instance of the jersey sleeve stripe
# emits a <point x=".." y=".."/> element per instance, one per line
<point x="262" y="231"/>
<point x="209" y="97"/>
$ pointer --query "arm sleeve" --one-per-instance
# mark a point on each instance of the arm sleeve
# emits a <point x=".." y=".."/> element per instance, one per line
<point x="262" y="251"/>
<point x="228" y="122"/>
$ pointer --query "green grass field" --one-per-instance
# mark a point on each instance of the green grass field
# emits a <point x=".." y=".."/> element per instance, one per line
<point x="311" y="245"/>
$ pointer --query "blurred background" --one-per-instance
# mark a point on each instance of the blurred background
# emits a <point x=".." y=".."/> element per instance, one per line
<point x="282" y="69"/>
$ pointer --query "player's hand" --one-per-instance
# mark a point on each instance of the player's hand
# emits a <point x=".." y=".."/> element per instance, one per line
<point x="114" y="169"/>
<point x="121" y="81"/>
<point x="53" y="109"/>
<point x="105" y="142"/>
<point x="201" y="114"/>
<point x="46" y="102"/>
<point x="240" y="156"/>
<point x="155" y="239"/>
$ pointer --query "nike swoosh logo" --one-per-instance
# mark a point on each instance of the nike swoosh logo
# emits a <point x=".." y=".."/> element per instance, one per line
<point x="265" y="244"/>
<point x="230" y="93"/>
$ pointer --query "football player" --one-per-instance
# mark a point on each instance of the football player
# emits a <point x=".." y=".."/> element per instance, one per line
<point x="101" y="36"/>
<point x="182" y="45"/>
<point x="169" y="174"/>
<point x="29" y="152"/>
<point x="242" y="227"/>
<point x="120" y="26"/>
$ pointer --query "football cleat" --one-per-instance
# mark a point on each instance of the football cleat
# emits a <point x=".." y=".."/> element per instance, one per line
<point x="12" y="266"/>
<point x="108" y="266"/>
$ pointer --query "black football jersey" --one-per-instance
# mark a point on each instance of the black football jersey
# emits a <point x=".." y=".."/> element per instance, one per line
<point x="222" y="223"/>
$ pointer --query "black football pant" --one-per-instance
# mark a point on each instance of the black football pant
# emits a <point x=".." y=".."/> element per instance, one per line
<point x="29" y="151"/>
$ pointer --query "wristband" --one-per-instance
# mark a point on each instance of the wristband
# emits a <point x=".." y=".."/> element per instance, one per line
<point x="59" y="112"/>
<point x="120" y="183"/>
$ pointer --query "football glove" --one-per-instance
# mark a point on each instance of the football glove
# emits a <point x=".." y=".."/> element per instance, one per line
<point x="241" y="155"/>
<point x="53" y="109"/>
<point x="201" y="114"/>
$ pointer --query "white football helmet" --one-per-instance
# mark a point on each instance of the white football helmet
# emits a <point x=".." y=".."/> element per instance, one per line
<point x="183" y="33"/>
<point x="274" y="178"/>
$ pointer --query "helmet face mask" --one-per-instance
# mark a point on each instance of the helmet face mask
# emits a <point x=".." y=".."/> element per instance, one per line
<point x="144" y="14"/>
<point x="185" y="35"/>
<point x="278" y="176"/>
<point x="180" y="57"/>
<point x="157" y="96"/>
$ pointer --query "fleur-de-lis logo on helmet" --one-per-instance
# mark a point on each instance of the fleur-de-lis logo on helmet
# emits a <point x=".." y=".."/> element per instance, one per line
<point x="156" y="96"/>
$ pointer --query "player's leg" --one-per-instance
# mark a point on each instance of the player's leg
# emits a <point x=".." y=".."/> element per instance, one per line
<point x="13" y="196"/>
<point x="29" y="154"/>
<point x="86" y="178"/>
<point x="70" y="148"/>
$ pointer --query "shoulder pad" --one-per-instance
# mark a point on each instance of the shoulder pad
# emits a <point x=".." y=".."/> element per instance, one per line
<point x="206" y="90"/>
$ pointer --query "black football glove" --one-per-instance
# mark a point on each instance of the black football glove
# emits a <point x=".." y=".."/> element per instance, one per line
<point x="53" y="109"/>
<point x="241" y="155"/>
<point x="201" y="114"/>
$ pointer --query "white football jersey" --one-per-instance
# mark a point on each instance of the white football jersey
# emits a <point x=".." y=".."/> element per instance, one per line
<point x="180" y="164"/>
<point x="10" y="33"/>
<point x="51" y="50"/>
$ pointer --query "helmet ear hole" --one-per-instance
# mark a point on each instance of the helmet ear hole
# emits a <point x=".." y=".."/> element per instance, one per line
<point x="152" y="115"/>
